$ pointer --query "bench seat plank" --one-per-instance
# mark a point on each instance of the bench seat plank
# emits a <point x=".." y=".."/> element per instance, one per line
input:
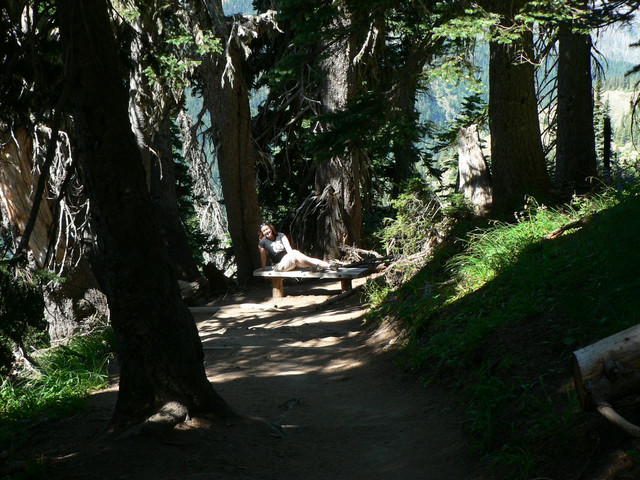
<point x="344" y="274"/>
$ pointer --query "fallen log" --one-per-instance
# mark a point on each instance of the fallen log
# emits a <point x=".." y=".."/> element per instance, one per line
<point x="609" y="370"/>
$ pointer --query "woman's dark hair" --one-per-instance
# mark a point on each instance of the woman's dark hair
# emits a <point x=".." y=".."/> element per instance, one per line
<point x="267" y="224"/>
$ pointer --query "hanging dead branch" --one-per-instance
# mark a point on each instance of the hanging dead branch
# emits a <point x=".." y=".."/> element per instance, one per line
<point x="60" y="219"/>
<point x="211" y="215"/>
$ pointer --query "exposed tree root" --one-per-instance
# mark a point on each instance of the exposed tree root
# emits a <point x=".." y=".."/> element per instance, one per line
<point x="173" y="414"/>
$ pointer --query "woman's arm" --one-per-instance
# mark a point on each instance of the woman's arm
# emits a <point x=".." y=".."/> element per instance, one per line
<point x="263" y="256"/>
<point x="287" y="245"/>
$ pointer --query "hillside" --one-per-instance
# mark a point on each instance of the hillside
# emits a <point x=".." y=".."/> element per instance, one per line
<point x="495" y="320"/>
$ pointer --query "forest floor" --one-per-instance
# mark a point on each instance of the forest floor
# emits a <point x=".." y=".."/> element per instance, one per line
<point x="347" y="409"/>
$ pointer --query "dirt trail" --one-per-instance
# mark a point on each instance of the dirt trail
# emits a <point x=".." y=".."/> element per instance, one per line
<point x="347" y="411"/>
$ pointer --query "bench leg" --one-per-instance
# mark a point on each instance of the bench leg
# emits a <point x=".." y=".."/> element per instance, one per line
<point x="345" y="284"/>
<point x="278" y="287"/>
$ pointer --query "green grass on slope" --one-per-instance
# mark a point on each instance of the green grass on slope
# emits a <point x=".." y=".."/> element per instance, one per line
<point x="498" y="323"/>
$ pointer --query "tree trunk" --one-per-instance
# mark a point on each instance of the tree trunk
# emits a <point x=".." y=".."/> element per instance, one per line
<point x="609" y="370"/>
<point x="576" y="148"/>
<point x="606" y="154"/>
<point x="473" y="170"/>
<point x="159" y="351"/>
<point x="18" y="177"/>
<point x="404" y="151"/>
<point x="75" y="303"/>
<point x="150" y="110"/>
<point x="342" y="174"/>
<point x="517" y="156"/>
<point x="227" y="100"/>
<point x="163" y="194"/>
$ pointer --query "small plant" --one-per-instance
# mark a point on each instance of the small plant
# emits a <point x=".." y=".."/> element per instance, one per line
<point x="376" y="292"/>
<point x="418" y="210"/>
<point x="21" y="313"/>
<point x="65" y="374"/>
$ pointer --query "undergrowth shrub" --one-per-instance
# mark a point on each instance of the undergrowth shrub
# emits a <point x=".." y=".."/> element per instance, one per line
<point x="63" y="375"/>
<point x="418" y="210"/>
<point x="22" y="322"/>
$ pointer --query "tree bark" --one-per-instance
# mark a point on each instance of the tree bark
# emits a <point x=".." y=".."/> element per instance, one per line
<point x="227" y="100"/>
<point x="163" y="193"/>
<point x="343" y="173"/>
<point x="76" y="302"/>
<point x="517" y="155"/>
<point x="576" y="148"/>
<point x="473" y="170"/>
<point x="159" y="351"/>
<point x="150" y="110"/>
<point x="18" y="177"/>
<point x="404" y="151"/>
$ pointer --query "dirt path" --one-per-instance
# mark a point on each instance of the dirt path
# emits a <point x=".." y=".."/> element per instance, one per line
<point x="347" y="412"/>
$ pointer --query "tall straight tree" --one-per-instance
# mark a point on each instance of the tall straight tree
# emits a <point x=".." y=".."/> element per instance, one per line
<point x="576" y="148"/>
<point x="341" y="173"/>
<point x="226" y="98"/>
<point x="315" y="71"/>
<point x="159" y="351"/>
<point x="517" y="156"/>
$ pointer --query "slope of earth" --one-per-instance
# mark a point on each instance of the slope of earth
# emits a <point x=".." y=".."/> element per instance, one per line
<point x="347" y="410"/>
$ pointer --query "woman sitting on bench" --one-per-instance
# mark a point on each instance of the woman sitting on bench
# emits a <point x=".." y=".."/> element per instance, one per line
<point x="277" y="248"/>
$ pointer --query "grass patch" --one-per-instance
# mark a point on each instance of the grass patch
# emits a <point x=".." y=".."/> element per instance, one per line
<point x="497" y="323"/>
<point x="64" y="377"/>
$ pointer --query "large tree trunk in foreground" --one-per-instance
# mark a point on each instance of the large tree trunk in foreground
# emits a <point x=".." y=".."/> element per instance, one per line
<point x="576" y="149"/>
<point x="517" y="156"/>
<point x="159" y="351"/>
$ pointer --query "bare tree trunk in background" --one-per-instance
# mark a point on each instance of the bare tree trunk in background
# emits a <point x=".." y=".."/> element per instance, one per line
<point x="606" y="155"/>
<point x="227" y="100"/>
<point x="18" y="177"/>
<point x="473" y="170"/>
<point x="337" y="181"/>
<point x="150" y="111"/>
<point x="159" y="350"/>
<point x="576" y="148"/>
<point x="75" y="302"/>
<point x="163" y="194"/>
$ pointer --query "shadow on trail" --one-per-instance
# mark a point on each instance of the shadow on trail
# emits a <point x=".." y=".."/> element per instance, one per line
<point x="347" y="413"/>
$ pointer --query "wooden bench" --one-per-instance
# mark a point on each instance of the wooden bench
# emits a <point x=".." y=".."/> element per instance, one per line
<point x="344" y="274"/>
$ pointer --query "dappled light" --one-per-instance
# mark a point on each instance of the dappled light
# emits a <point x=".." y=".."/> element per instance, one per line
<point x="311" y="369"/>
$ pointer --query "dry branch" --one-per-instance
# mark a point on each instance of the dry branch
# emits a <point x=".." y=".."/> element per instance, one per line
<point x="581" y="222"/>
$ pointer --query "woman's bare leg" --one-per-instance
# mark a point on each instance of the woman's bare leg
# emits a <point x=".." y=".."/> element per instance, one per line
<point x="306" y="261"/>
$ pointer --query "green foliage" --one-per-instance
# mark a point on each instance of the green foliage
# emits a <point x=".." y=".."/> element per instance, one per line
<point x="21" y="312"/>
<point x="417" y="212"/>
<point x="64" y="376"/>
<point x="180" y="56"/>
<point x="476" y="22"/>
<point x="174" y="47"/>
<point x="498" y="321"/>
